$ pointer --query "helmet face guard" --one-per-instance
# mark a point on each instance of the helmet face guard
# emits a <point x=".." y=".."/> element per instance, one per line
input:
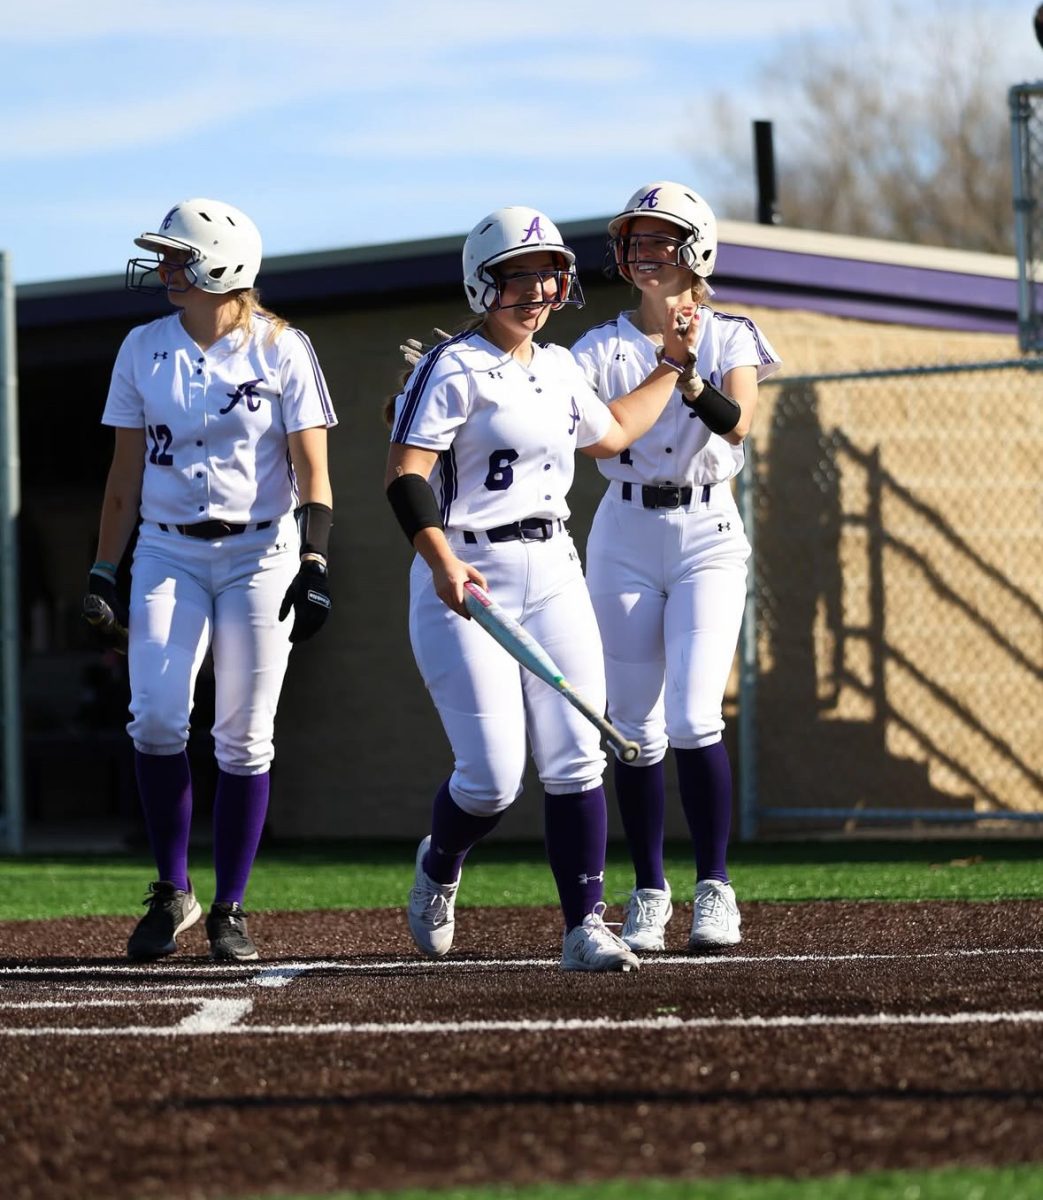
<point x="223" y="247"/>
<point x="639" y="250"/>
<point x="509" y="233"/>
<point x="567" y="289"/>
<point x="142" y="274"/>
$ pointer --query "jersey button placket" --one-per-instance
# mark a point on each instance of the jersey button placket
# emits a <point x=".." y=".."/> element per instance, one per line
<point x="200" y="381"/>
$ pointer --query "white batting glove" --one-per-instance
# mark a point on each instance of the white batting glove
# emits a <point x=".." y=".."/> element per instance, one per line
<point x="413" y="349"/>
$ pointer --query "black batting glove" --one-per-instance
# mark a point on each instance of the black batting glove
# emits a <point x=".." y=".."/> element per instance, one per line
<point x="309" y="597"/>
<point x="105" y="612"/>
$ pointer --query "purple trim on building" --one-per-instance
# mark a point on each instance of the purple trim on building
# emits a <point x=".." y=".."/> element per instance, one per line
<point x="968" y="320"/>
<point x="871" y="291"/>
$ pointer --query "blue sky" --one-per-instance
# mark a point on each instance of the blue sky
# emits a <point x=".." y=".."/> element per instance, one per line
<point x="340" y="124"/>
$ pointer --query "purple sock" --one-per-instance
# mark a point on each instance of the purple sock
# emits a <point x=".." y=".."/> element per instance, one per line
<point x="705" y="780"/>
<point x="641" y="796"/>
<point x="576" y="831"/>
<point x="240" y="806"/>
<point x="453" y="833"/>
<point x="165" y="787"/>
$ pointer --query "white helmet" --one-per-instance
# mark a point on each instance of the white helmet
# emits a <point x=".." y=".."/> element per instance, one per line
<point x="680" y="206"/>
<point x="225" y="247"/>
<point x="505" y="234"/>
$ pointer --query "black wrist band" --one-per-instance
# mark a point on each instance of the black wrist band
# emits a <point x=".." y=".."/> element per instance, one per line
<point x="718" y="412"/>
<point x="413" y="502"/>
<point x="314" y="521"/>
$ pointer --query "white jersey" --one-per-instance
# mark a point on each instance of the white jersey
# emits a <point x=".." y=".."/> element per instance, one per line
<point x="679" y="449"/>
<point x="216" y="420"/>
<point x="506" y="434"/>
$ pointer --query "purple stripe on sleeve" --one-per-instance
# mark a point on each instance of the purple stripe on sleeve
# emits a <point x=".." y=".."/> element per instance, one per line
<point x="762" y="353"/>
<point x="320" y="383"/>
<point x="415" y="387"/>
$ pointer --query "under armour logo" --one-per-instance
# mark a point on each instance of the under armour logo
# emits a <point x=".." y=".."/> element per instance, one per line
<point x="245" y="391"/>
<point x="535" y="230"/>
<point x="495" y="374"/>
<point x="723" y="525"/>
<point x="621" y="358"/>
<point x="169" y="218"/>
<point x="598" y="878"/>
<point x="574" y="414"/>
<point x="649" y="200"/>
<point x="158" y="354"/>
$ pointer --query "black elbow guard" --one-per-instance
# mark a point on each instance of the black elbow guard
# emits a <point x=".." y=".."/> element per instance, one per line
<point x="718" y="412"/>
<point x="314" y="521"/>
<point x="413" y="502"/>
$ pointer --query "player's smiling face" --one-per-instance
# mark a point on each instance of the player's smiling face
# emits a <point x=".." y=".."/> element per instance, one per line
<point x="529" y="286"/>
<point x="651" y="254"/>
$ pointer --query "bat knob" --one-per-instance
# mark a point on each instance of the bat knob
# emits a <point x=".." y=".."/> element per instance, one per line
<point x="630" y="752"/>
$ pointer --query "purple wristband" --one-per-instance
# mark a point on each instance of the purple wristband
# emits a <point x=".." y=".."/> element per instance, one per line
<point x="680" y="368"/>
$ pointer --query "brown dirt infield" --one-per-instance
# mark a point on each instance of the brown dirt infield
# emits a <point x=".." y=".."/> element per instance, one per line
<point x="148" y="1082"/>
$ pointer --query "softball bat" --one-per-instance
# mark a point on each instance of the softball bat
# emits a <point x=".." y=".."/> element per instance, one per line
<point x="524" y="648"/>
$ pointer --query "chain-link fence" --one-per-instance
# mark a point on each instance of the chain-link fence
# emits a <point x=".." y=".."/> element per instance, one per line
<point x="1026" y="110"/>
<point x="892" y="666"/>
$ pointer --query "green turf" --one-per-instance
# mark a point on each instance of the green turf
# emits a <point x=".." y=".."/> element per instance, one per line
<point x="350" y="876"/>
<point x="1007" y="1183"/>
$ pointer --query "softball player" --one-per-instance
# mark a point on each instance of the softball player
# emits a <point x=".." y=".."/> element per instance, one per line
<point x="494" y="419"/>
<point x="220" y="413"/>
<point x="666" y="557"/>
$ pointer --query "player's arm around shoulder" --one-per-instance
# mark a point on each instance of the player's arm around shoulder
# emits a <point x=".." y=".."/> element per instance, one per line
<point x="413" y="502"/>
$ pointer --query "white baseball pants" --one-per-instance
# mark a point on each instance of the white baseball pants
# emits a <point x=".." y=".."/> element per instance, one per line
<point x="668" y="587"/>
<point x="187" y="594"/>
<point x="486" y="700"/>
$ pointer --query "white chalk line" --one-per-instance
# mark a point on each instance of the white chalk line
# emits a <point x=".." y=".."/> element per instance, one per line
<point x="214" y="1016"/>
<point x="221" y="1017"/>
<point x="168" y="1001"/>
<point x="283" y="973"/>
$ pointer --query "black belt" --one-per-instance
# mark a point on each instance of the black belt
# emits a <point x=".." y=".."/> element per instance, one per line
<point x="664" y="495"/>
<point x="532" y="529"/>
<point x="210" y="531"/>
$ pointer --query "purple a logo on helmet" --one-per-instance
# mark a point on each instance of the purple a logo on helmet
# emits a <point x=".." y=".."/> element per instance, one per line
<point x="535" y="230"/>
<point x="649" y="200"/>
<point x="168" y="219"/>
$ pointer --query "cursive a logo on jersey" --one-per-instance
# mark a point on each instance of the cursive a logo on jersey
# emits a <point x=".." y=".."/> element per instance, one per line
<point x="650" y="199"/>
<point x="535" y="230"/>
<point x="246" y="392"/>
<point x="574" y="416"/>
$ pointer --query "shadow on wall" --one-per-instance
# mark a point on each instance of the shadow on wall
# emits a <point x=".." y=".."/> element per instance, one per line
<point x="825" y="710"/>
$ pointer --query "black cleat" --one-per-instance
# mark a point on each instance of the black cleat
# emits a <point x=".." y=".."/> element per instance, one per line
<point x="226" y="929"/>
<point x="170" y="911"/>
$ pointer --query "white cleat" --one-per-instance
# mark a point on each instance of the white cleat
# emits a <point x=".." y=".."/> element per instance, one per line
<point x="592" y="946"/>
<point x="431" y="905"/>
<point x="715" y="919"/>
<point x="644" y="923"/>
